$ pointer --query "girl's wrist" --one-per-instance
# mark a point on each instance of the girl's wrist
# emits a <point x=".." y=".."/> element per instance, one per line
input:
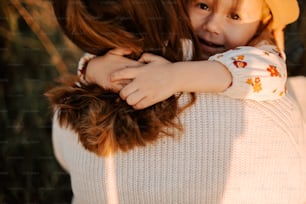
<point x="179" y="77"/>
<point x="90" y="72"/>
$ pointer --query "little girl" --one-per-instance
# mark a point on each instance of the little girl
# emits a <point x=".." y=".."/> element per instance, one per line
<point x="257" y="72"/>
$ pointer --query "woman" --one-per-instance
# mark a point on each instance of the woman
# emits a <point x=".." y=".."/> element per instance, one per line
<point x="231" y="151"/>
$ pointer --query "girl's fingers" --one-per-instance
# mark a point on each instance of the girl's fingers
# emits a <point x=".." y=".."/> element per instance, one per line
<point x="147" y="58"/>
<point x="120" y="51"/>
<point x="118" y="85"/>
<point x="121" y="60"/>
<point x="133" y="63"/>
<point x="143" y="103"/>
<point x="126" y="62"/>
<point x="124" y="82"/>
<point x="134" y="98"/>
<point x="124" y="74"/>
<point x="127" y="91"/>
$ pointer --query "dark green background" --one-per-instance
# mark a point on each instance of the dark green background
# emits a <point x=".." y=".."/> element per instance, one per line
<point x="29" y="172"/>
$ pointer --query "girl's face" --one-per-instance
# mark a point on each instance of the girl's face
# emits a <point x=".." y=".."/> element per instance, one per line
<point x="224" y="24"/>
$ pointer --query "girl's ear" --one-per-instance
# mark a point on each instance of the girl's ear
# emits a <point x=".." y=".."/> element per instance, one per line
<point x="279" y="39"/>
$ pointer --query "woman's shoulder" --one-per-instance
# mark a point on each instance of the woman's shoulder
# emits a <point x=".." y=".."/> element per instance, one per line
<point x="226" y="143"/>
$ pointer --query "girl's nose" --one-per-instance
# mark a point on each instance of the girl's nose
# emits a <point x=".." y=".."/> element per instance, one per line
<point x="213" y="24"/>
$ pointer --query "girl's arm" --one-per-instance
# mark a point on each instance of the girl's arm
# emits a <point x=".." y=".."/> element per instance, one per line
<point x="242" y="73"/>
<point x="159" y="79"/>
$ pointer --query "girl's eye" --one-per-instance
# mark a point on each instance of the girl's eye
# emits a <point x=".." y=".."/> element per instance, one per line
<point x="235" y="16"/>
<point x="203" y="6"/>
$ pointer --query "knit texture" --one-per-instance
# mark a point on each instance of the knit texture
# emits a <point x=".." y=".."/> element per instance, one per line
<point x="296" y="87"/>
<point x="231" y="152"/>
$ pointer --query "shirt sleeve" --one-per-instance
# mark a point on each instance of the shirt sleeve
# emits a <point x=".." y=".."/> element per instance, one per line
<point x="258" y="73"/>
<point x="82" y="65"/>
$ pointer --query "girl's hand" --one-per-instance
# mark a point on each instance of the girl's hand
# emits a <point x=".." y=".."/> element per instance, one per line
<point x="99" y="69"/>
<point x="150" y="83"/>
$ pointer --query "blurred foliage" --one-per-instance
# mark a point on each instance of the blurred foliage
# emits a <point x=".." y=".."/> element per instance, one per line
<point x="29" y="172"/>
<point x="295" y="41"/>
<point x="29" y="64"/>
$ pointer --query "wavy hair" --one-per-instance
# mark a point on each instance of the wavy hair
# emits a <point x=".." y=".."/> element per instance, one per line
<point x="103" y="121"/>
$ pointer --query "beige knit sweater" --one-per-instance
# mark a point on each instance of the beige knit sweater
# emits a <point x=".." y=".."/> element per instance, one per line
<point x="231" y="152"/>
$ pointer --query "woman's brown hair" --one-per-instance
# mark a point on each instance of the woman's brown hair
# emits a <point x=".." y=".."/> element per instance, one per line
<point x="103" y="121"/>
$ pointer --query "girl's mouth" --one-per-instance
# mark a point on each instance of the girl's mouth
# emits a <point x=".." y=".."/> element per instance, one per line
<point x="210" y="44"/>
<point x="209" y="48"/>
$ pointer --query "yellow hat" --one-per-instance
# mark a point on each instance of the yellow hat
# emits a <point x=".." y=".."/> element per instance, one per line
<point x="284" y="12"/>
